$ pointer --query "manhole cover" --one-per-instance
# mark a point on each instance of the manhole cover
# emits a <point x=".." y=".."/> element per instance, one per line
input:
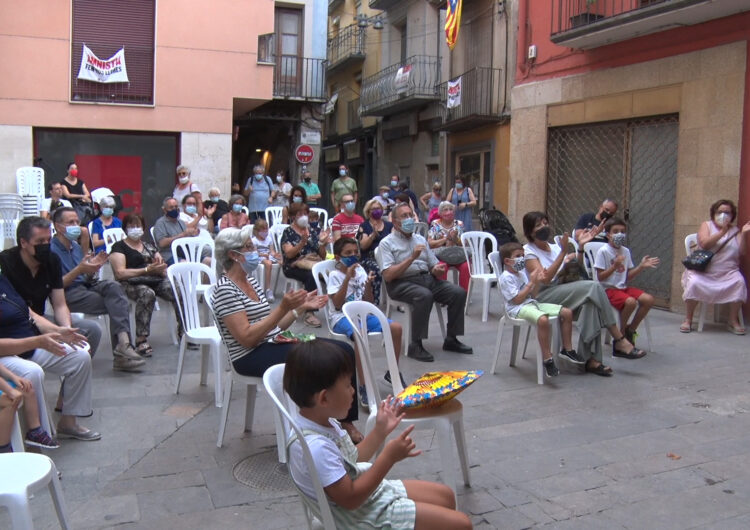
<point x="264" y="472"/>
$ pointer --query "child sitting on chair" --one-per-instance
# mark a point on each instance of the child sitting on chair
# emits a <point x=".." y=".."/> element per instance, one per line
<point x="614" y="268"/>
<point x="348" y="283"/>
<point x="519" y="291"/>
<point x="14" y="390"/>
<point x="317" y="377"/>
<point x="263" y="242"/>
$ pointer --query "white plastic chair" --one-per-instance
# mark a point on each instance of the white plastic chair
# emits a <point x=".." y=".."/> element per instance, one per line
<point x="273" y="381"/>
<point x="30" y="183"/>
<point x="323" y="216"/>
<point x="99" y="193"/>
<point x="185" y="279"/>
<point x="474" y="250"/>
<point x="21" y="474"/>
<point x="390" y="304"/>
<point x="691" y="243"/>
<point x="11" y="212"/>
<point x="252" y="389"/>
<point x="276" y="232"/>
<point x="274" y="215"/>
<point x="558" y="239"/>
<point x="518" y="324"/>
<point x="112" y="236"/>
<point x="421" y="229"/>
<point x="444" y="419"/>
<point x="192" y="248"/>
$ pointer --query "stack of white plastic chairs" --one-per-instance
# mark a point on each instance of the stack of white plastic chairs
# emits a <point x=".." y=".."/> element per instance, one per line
<point x="11" y="211"/>
<point x="30" y="186"/>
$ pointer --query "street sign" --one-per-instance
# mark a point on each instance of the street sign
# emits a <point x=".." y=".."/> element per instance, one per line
<point x="304" y="154"/>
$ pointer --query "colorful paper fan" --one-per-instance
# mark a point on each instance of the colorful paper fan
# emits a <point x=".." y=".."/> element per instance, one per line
<point x="435" y="388"/>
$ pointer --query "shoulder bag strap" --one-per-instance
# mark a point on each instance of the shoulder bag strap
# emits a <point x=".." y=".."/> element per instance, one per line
<point x="727" y="240"/>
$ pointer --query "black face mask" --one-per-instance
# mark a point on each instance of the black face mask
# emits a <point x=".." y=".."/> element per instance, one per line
<point x="543" y="233"/>
<point x="41" y="252"/>
<point x="605" y="215"/>
<point x="308" y="179"/>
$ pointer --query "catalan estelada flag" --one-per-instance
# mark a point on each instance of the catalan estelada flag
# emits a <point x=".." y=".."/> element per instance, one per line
<point x="452" y="22"/>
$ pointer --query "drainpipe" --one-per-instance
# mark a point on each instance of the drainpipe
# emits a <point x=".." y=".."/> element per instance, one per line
<point x="523" y="10"/>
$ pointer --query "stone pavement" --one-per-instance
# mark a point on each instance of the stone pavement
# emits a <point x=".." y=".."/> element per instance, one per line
<point x="665" y="443"/>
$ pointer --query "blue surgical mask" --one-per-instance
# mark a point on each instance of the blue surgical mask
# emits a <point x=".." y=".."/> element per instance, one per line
<point x="342" y="172"/>
<point x="618" y="240"/>
<point x="348" y="261"/>
<point x="72" y="232"/>
<point x="107" y="212"/>
<point x="236" y="208"/>
<point x="174" y="214"/>
<point x="213" y="199"/>
<point x="349" y="206"/>
<point x="408" y="225"/>
<point x="192" y="210"/>
<point x="297" y="199"/>
<point x="519" y="263"/>
<point x="394" y="183"/>
<point x="258" y="177"/>
<point x="252" y="260"/>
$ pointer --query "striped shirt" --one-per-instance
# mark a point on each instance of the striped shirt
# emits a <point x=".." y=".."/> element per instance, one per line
<point x="229" y="299"/>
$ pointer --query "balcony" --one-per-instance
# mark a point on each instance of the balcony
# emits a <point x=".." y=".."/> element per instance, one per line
<point x="383" y="4"/>
<point x="353" y="119"/>
<point x="294" y="77"/>
<point x="480" y="100"/>
<point x="348" y="47"/>
<point x="401" y="86"/>
<point x="586" y="24"/>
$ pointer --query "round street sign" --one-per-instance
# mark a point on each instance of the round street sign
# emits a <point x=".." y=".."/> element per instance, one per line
<point x="304" y="154"/>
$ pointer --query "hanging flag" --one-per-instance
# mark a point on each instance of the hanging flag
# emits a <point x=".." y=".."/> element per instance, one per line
<point x="454" y="93"/>
<point x="452" y="22"/>
<point x="112" y="70"/>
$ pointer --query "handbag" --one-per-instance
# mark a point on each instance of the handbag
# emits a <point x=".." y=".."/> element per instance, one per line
<point x="435" y="388"/>
<point x="150" y="281"/>
<point x="450" y="255"/>
<point x="699" y="259"/>
<point x="571" y="271"/>
<point x="307" y="261"/>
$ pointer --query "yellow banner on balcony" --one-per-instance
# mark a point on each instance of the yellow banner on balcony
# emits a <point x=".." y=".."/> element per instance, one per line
<point x="452" y="22"/>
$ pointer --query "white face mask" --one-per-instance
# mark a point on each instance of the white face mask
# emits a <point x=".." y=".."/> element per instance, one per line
<point x="342" y="172"/>
<point x="184" y="180"/>
<point x="135" y="233"/>
<point x="722" y="218"/>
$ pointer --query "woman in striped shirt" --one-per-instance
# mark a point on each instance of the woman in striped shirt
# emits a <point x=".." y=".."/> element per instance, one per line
<point x="248" y="324"/>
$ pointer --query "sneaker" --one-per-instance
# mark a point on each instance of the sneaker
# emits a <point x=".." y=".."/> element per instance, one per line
<point x="40" y="438"/>
<point x="363" y="398"/>
<point x="79" y="433"/>
<point x="572" y="356"/>
<point x="123" y="364"/>
<point x="387" y="378"/>
<point x="550" y="369"/>
<point x="269" y="295"/>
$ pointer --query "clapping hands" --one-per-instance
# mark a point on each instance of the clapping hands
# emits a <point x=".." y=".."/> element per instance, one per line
<point x="650" y="262"/>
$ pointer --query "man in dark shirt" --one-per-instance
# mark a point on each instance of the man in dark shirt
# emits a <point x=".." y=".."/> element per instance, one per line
<point x="36" y="275"/>
<point x="593" y="223"/>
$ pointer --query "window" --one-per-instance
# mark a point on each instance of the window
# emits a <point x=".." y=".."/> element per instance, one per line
<point x="105" y="28"/>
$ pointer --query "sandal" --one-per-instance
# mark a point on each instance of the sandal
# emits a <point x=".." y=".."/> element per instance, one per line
<point x="599" y="369"/>
<point x="144" y="349"/>
<point x="737" y="330"/>
<point x="635" y="353"/>
<point x="312" y="321"/>
<point x="353" y="432"/>
<point x="686" y="327"/>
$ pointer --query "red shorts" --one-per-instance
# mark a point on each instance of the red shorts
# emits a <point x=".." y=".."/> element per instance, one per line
<point x="617" y="297"/>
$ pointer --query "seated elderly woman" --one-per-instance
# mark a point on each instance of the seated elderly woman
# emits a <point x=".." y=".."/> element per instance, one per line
<point x="302" y="246"/>
<point x="235" y="218"/>
<point x="105" y="221"/>
<point x="142" y="272"/>
<point x="586" y="298"/>
<point x="371" y="232"/>
<point x="445" y="241"/>
<point x="247" y="323"/>
<point x="722" y="281"/>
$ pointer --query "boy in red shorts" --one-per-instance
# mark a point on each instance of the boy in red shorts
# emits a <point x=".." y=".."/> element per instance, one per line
<point x="614" y="267"/>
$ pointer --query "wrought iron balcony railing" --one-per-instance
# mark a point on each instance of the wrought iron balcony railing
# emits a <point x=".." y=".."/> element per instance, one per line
<point x="297" y="77"/>
<point x="346" y="47"/>
<point x="400" y="86"/>
<point x="592" y="23"/>
<point x="475" y="100"/>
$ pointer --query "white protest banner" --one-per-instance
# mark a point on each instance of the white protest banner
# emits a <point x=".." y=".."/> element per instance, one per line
<point x="112" y="70"/>
<point x="454" y="93"/>
<point x="401" y="81"/>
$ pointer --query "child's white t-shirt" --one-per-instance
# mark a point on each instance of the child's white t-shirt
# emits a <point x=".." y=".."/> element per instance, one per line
<point x="354" y="292"/>
<point x="510" y="285"/>
<point x="263" y="246"/>
<point x="604" y="258"/>
<point x="329" y="462"/>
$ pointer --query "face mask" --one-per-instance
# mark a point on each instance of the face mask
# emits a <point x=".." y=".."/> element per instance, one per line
<point x="618" y="240"/>
<point x="252" y="259"/>
<point x="258" y="177"/>
<point x="605" y="215"/>
<point x="107" y="212"/>
<point x="213" y="199"/>
<point x="394" y="183"/>
<point x="349" y="206"/>
<point x="135" y="233"/>
<point x="41" y="252"/>
<point x="72" y="232"/>
<point x="263" y="235"/>
<point x="313" y="224"/>
<point x="348" y="261"/>
<point x="279" y="179"/>
<point x="342" y="172"/>
<point x="174" y="214"/>
<point x="519" y="263"/>
<point x="408" y="225"/>
<point x="184" y="180"/>
<point x="303" y="221"/>
<point x="459" y="186"/>
<point x="384" y="195"/>
<point x="236" y="208"/>
<point x="73" y="172"/>
<point x="376" y="214"/>
<point x="543" y="233"/>
<point x="192" y="210"/>
<point x="297" y="198"/>
<point x="722" y="218"/>
<point x="308" y="179"/>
